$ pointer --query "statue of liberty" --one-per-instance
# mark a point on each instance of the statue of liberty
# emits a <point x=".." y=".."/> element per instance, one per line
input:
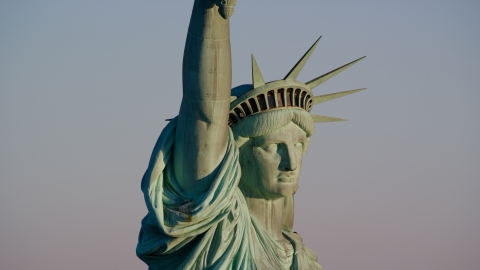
<point x="220" y="183"/>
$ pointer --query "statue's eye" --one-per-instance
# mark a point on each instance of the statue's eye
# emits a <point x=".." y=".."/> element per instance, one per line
<point x="300" y="146"/>
<point x="270" y="147"/>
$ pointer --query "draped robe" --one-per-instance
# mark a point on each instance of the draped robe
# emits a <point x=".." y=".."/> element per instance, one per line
<point x="211" y="231"/>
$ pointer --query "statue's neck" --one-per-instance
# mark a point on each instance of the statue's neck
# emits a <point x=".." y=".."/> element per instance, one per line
<point x="268" y="215"/>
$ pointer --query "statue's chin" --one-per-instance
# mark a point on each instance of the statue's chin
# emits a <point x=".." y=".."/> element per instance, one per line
<point x="287" y="188"/>
<point x="281" y="191"/>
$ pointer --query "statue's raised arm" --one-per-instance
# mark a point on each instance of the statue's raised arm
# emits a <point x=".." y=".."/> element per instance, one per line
<point x="202" y="130"/>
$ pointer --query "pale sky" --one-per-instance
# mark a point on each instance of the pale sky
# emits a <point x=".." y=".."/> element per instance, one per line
<point x="85" y="88"/>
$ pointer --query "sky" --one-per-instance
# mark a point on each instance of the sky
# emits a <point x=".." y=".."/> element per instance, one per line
<point x="86" y="86"/>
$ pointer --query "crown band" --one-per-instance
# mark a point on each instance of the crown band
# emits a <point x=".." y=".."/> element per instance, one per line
<point x="270" y="100"/>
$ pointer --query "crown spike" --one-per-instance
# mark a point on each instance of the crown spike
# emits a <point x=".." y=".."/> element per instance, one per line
<point x="257" y="77"/>
<point x="319" y="80"/>
<point x="325" y="119"/>
<point x="327" y="97"/>
<point x="292" y="75"/>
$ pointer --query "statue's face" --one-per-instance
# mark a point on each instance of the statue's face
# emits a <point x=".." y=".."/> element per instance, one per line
<point x="271" y="163"/>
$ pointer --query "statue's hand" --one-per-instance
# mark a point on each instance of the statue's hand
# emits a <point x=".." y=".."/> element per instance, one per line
<point x="225" y="7"/>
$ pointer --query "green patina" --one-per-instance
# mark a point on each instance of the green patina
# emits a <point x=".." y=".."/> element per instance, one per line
<point x="220" y="183"/>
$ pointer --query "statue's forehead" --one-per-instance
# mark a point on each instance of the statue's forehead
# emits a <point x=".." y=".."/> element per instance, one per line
<point x="288" y="133"/>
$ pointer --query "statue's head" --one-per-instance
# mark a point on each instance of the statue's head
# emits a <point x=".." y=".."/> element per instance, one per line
<point x="272" y="126"/>
<point x="271" y="146"/>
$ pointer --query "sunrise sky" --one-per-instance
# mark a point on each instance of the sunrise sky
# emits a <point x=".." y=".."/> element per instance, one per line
<point x="85" y="87"/>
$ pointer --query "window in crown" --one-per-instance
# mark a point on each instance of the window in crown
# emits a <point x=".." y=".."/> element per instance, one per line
<point x="308" y="100"/>
<point x="262" y="102"/>
<point x="304" y="94"/>
<point x="233" y="118"/>
<point x="297" y="98"/>
<point x="246" y="109"/>
<point x="271" y="99"/>
<point x="253" y="105"/>
<point x="289" y="96"/>
<point x="280" y="98"/>
<point x="239" y="113"/>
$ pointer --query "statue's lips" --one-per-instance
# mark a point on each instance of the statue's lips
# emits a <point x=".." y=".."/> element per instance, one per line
<point x="286" y="179"/>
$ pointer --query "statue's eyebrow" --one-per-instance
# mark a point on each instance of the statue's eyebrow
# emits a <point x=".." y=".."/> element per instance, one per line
<point x="268" y="139"/>
<point x="261" y="141"/>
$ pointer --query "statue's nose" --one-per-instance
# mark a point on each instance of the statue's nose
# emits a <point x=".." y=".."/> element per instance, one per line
<point x="289" y="159"/>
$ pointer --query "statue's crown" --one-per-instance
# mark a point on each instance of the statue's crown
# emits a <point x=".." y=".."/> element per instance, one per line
<point x="259" y="97"/>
